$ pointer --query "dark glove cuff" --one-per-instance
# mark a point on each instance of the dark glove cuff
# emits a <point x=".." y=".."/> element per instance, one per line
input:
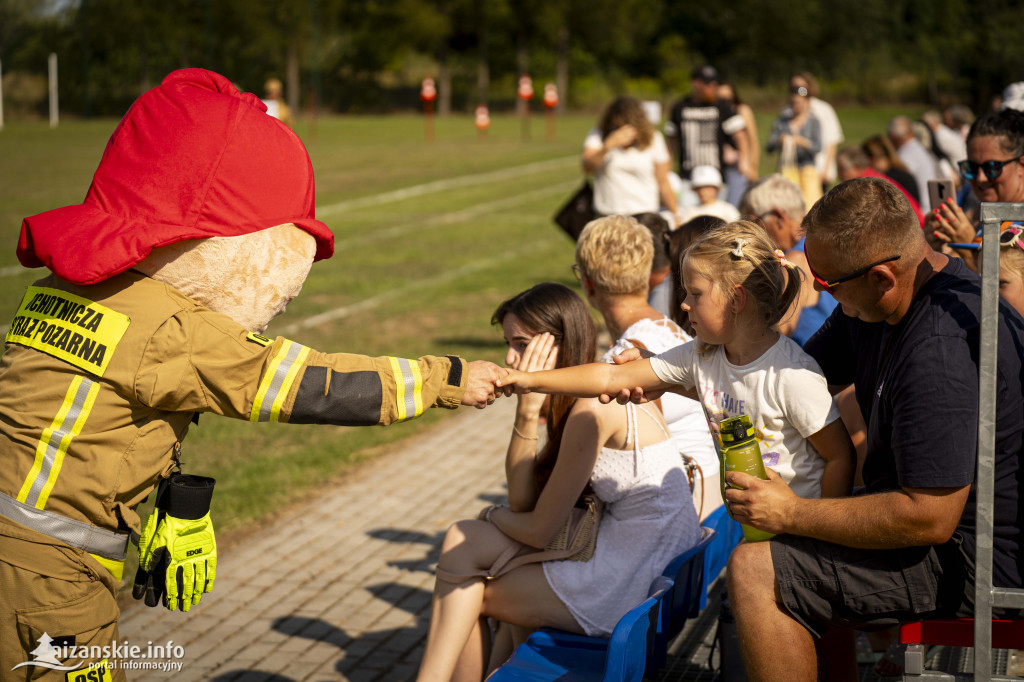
<point x="188" y="497"/>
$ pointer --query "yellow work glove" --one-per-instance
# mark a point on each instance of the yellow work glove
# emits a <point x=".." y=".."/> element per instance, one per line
<point x="178" y="549"/>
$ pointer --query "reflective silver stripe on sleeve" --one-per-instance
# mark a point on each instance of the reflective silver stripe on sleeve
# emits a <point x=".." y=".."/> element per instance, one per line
<point x="56" y="444"/>
<point x="413" y="388"/>
<point x="278" y="380"/>
<point x="74" y="533"/>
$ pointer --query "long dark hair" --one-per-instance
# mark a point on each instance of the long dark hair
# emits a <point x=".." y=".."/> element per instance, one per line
<point x="629" y="110"/>
<point x="556" y="309"/>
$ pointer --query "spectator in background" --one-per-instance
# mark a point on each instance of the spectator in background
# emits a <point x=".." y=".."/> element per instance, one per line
<point x="918" y="160"/>
<point x="958" y="117"/>
<point x="659" y="286"/>
<point x="706" y="181"/>
<point x="885" y="160"/>
<point x="796" y="135"/>
<point x="995" y="170"/>
<point x="1013" y="96"/>
<point x="779" y="205"/>
<point x="831" y="130"/>
<point x="1011" y="266"/>
<point x="947" y="141"/>
<point x="274" y="99"/>
<point x="613" y="257"/>
<point x="854" y="163"/>
<point x="629" y="161"/>
<point x="736" y="182"/>
<point x="699" y="127"/>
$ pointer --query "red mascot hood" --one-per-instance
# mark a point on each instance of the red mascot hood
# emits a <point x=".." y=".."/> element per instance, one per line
<point x="192" y="158"/>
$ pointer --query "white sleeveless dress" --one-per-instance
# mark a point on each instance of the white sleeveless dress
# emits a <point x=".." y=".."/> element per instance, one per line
<point x="648" y="520"/>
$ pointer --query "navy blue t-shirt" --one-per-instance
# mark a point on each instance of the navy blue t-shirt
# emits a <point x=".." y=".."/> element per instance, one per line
<point x="917" y="385"/>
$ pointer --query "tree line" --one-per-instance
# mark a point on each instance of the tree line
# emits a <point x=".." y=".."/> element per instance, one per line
<point x="370" y="55"/>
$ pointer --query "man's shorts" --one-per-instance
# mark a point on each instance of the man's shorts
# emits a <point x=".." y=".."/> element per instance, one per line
<point x="824" y="584"/>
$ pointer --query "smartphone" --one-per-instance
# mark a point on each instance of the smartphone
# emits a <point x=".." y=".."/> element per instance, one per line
<point x="939" y="191"/>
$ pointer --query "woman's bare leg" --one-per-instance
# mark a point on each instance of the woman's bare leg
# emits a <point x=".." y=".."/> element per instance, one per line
<point x="522" y="597"/>
<point x="469" y="546"/>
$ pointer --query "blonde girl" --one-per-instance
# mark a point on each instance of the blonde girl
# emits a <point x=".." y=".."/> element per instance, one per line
<point x="1011" y="266"/>
<point x="738" y="287"/>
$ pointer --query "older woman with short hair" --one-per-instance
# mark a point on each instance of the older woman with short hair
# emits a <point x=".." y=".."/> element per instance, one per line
<point x="613" y="259"/>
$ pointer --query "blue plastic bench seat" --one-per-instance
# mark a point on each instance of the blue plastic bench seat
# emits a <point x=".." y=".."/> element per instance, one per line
<point x="553" y="655"/>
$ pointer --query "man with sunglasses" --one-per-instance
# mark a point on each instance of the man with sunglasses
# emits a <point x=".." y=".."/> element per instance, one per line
<point x="906" y="337"/>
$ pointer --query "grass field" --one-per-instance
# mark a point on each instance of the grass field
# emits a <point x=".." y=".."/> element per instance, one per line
<point x="429" y="237"/>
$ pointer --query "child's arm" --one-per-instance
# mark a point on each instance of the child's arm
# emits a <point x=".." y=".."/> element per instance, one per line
<point x="835" y="447"/>
<point x="587" y="381"/>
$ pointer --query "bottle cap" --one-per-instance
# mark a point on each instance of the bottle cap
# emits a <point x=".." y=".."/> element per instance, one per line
<point x="736" y="429"/>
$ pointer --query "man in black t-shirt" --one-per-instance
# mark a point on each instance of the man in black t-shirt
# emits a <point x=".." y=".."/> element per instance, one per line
<point x="700" y="124"/>
<point x="906" y="336"/>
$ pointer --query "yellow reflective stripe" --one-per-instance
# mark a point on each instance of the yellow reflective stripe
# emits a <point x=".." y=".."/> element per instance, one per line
<point x="277" y="382"/>
<point x="115" y="567"/>
<point x="55" y="440"/>
<point x="396" y="373"/>
<point x="408" y="388"/>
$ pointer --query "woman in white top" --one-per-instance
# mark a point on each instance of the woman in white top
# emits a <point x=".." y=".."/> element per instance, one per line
<point x="613" y="260"/>
<point x="622" y="453"/>
<point x="629" y="161"/>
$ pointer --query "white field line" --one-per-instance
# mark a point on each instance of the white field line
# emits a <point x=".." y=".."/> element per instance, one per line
<point x="412" y="287"/>
<point x="457" y="216"/>
<point x="446" y="219"/>
<point x="406" y="193"/>
<point x="446" y="184"/>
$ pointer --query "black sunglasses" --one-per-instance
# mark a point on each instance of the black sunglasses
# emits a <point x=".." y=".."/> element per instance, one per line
<point x="991" y="169"/>
<point x="829" y="283"/>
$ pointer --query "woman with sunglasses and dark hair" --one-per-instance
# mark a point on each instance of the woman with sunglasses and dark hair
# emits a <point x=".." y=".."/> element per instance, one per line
<point x="995" y="169"/>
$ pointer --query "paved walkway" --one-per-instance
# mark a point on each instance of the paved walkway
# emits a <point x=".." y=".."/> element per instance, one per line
<point x="340" y="588"/>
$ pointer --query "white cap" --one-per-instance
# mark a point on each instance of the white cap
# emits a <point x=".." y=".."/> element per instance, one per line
<point x="705" y="176"/>
<point x="1013" y="96"/>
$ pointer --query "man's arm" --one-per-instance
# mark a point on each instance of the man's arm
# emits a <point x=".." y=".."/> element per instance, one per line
<point x="900" y="518"/>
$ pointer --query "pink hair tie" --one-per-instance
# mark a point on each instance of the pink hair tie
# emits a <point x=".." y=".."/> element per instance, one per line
<point x="782" y="258"/>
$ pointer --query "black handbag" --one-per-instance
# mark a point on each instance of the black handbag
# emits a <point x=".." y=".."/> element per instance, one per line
<point x="577" y="212"/>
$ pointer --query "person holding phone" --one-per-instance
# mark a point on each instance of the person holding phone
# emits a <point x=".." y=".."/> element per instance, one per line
<point x="995" y="169"/>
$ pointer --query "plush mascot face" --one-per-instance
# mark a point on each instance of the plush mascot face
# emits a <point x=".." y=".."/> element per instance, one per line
<point x="201" y="189"/>
<point x="249" y="278"/>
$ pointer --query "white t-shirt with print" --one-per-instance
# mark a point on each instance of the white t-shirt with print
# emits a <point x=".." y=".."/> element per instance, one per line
<point x="783" y="392"/>
<point x="684" y="417"/>
<point x="626" y="183"/>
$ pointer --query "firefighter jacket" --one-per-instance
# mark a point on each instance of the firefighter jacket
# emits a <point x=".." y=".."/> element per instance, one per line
<point x="99" y="383"/>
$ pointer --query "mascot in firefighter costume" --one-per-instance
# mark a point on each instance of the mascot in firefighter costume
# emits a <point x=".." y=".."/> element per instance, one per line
<point x="197" y="230"/>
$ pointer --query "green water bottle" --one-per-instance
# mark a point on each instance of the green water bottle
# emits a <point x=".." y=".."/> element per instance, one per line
<point x="741" y="452"/>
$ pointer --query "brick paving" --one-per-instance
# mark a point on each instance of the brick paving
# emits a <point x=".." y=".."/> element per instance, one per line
<point x="340" y="588"/>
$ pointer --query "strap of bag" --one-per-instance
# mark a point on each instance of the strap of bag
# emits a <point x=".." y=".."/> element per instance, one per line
<point x="511" y="559"/>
